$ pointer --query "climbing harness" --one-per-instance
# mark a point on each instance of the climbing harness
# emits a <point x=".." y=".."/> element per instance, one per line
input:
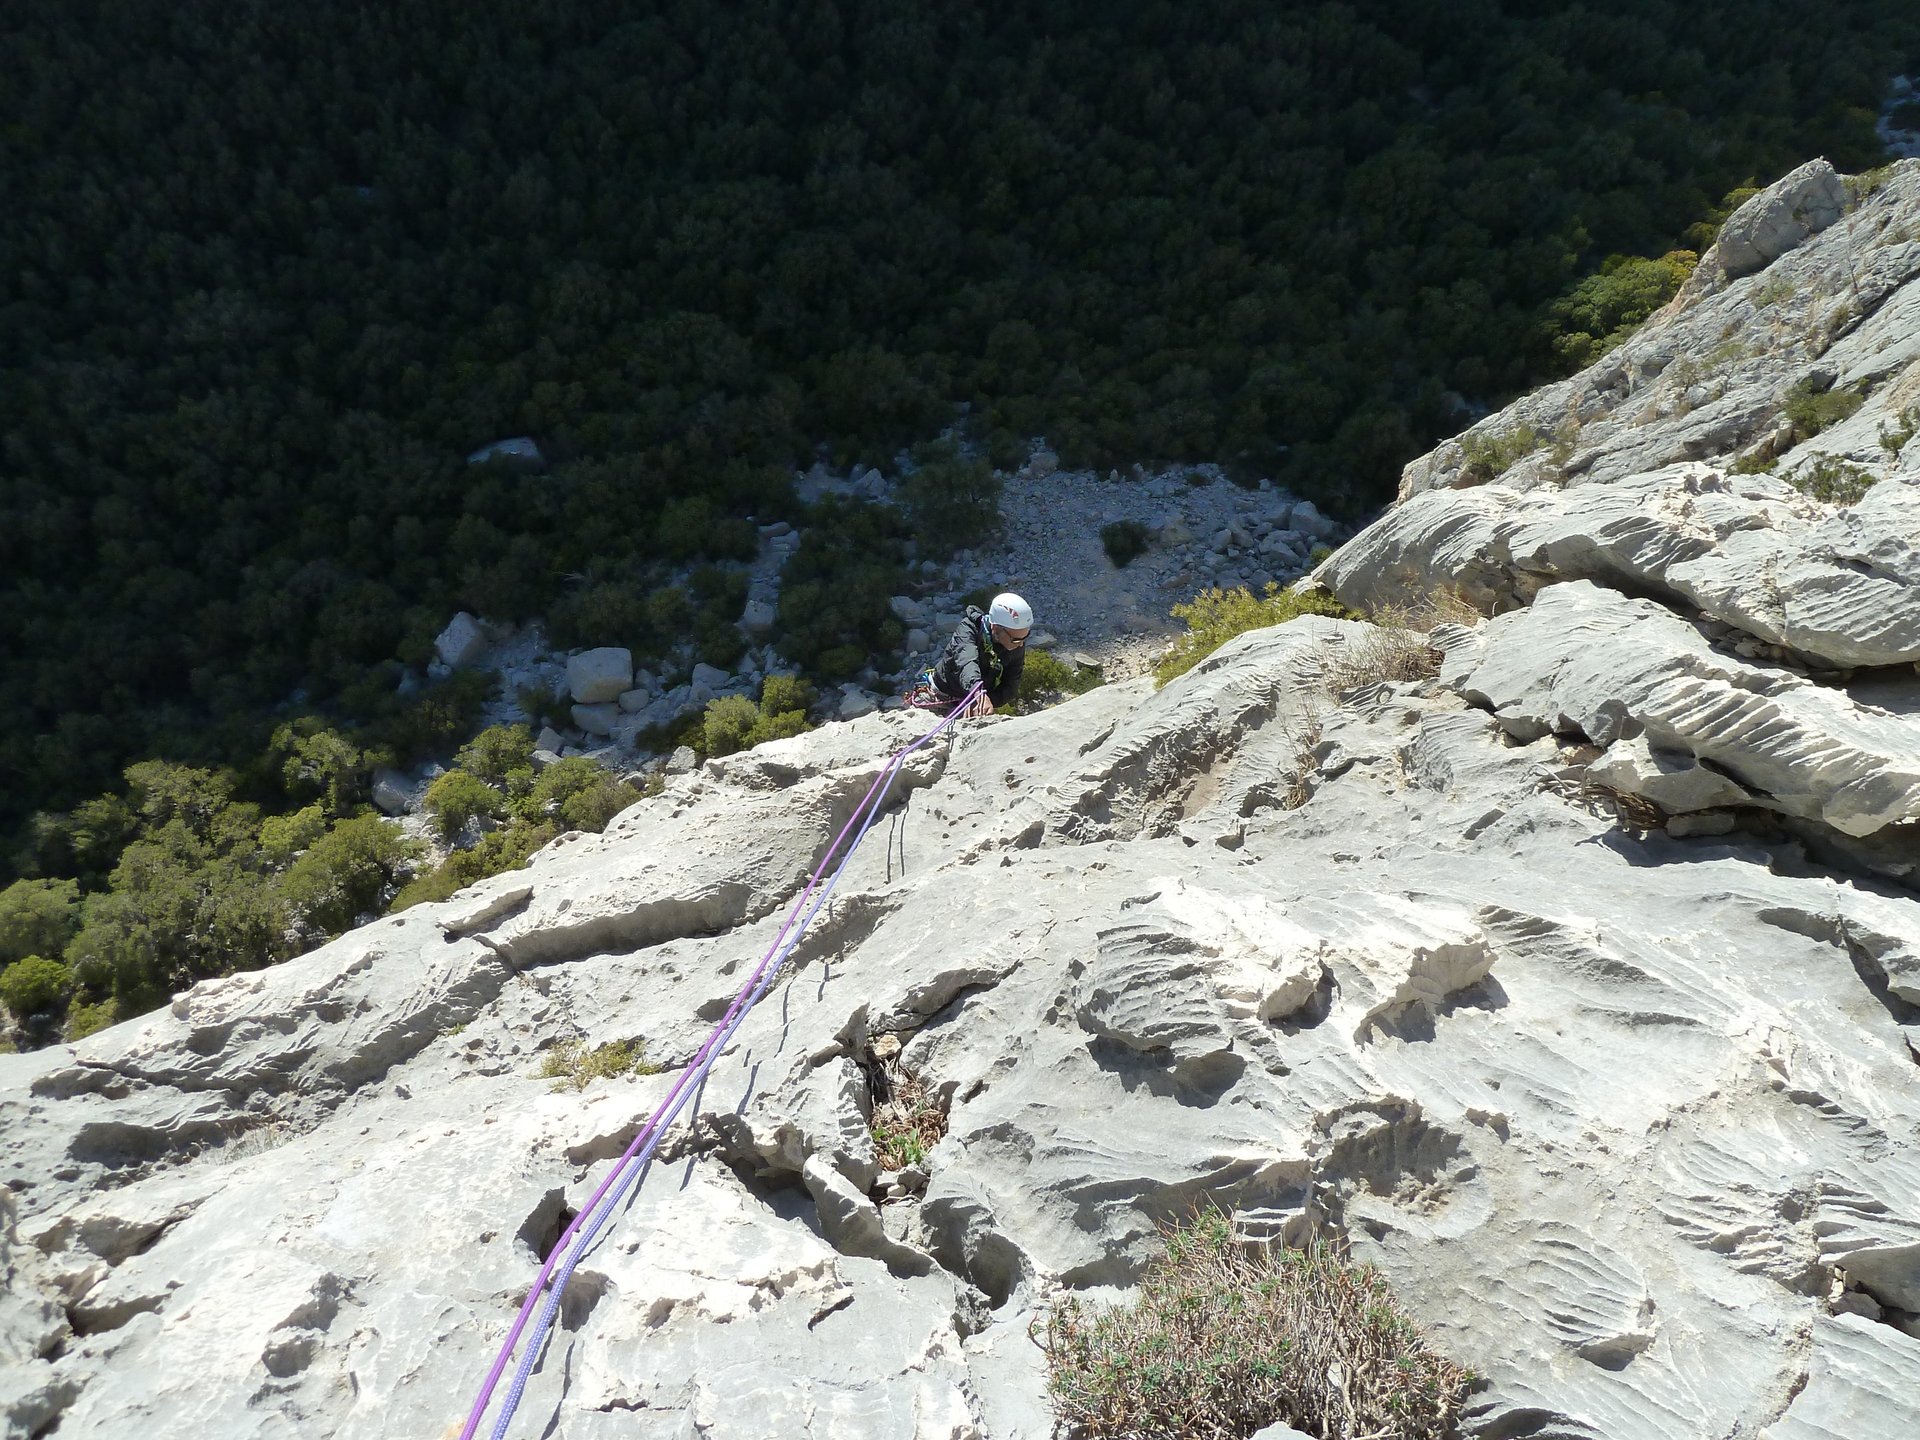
<point x="579" y="1236"/>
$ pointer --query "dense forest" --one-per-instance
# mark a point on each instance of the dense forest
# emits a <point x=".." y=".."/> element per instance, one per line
<point x="269" y="273"/>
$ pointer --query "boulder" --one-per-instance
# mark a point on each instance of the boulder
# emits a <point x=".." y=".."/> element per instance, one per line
<point x="758" y="618"/>
<point x="635" y="700"/>
<point x="394" y="793"/>
<point x="682" y="762"/>
<point x="907" y="610"/>
<point x="854" y="703"/>
<point x="1768" y="225"/>
<point x="598" y="719"/>
<point x="549" y="739"/>
<point x="599" y="675"/>
<point x="711" y="676"/>
<point x="1307" y="520"/>
<point x="461" y="643"/>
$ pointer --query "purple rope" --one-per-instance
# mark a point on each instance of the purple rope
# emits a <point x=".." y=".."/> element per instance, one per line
<point x="649" y="1136"/>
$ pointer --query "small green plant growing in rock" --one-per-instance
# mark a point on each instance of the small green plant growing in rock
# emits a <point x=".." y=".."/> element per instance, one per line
<point x="1214" y="617"/>
<point x="572" y="1066"/>
<point x="1221" y="1342"/>
<point x="1490" y="456"/>
<point x="908" y="1120"/>
<point x="1124" y="541"/>
<point x="1834" y="481"/>
<point x="1773" y="292"/>
<point x="1895" y="434"/>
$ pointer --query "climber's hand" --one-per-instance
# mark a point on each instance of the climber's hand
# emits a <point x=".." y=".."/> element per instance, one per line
<point x="980" y="708"/>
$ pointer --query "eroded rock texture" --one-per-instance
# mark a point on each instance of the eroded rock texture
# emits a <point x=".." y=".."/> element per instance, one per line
<point x="1577" y="985"/>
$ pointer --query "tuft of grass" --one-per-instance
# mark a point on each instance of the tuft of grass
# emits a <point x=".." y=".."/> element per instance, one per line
<point x="571" y="1066"/>
<point x="1221" y="1342"/>
<point x="907" y="1119"/>
<point x="1124" y="541"/>
<point x="1834" y="481"/>
<point x="1214" y="617"/>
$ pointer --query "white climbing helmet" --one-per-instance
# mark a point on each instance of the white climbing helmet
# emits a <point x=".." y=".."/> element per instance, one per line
<point x="1010" y="612"/>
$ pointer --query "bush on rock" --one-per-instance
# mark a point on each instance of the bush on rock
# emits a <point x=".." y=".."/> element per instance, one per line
<point x="1215" y="616"/>
<point x="1220" y="1343"/>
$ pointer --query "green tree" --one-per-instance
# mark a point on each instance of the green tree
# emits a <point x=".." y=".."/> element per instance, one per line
<point x="37" y="917"/>
<point x="348" y="873"/>
<point x="33" y="984"/>
<point x="456" y="799"/>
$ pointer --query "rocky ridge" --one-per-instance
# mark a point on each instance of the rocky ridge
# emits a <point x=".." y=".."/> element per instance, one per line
<point x="1576" y="984"/>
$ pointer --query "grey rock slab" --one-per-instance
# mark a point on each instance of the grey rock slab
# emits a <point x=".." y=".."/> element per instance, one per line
<point x="1582" y="659"/>
<point x="1843" y="587"/>
<point x="1860" y="1385"/>
<point x="1609" y="1110"/>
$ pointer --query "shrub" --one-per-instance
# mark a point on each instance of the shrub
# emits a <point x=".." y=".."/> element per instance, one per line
<point x="1894" y="435"/>
<point x="317" y="762"/>
<point x="545" y="705"/>
<point x="37" y="917"/>
<point x="1045" y="675"/>
<point x="347" y="872"/>
<point x="33" y="984"/>
<point x="1490" y="456"/>
<point x="1124" y="541"/>
<point x="1605" y="308"/>
<point x="833" y="614"/>
<point x="951" y="503"/>
<point x="284" y="836"/>
<point x="728" y="719"/>
<point x="85" y="1020"/>
<point x="1812" y="409"/>
<point x="1834" y="481"/>
<point x="1214" y="617"/>
<point x="784" y="694"/>
<point x="456" y="799"/>
<point x="571" y="1066"/>
<point x="498" y="755"/>
<point x="1221" y="1343"/>
<point x="494" y="854"/>
<point x="593" y="806"/>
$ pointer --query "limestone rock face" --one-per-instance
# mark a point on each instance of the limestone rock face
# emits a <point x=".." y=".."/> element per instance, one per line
<point x="1840" y="588"/>
<point x="1574" y="983"/>
<point x="1709" y="378"/>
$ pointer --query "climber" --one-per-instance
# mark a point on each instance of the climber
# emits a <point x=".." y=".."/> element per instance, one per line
<point x="988" y="650"/>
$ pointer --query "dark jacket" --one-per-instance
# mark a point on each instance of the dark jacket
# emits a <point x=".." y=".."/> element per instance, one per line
<point x="972" y="656"/>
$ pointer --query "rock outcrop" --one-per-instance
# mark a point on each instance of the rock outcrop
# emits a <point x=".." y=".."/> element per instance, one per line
<point x="1575" y="982"/>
